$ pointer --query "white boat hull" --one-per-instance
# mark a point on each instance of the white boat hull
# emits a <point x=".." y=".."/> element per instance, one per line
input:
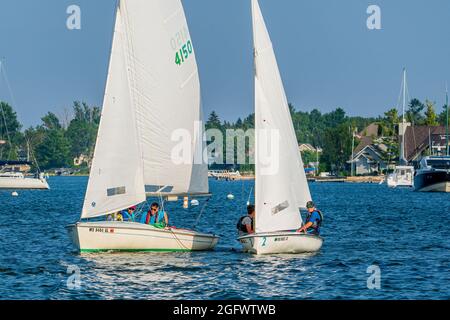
<point x="132" y="236"/>
<point x="402" y="177"/>
<point x="23" y="183"/>
<point x="280" y="242"/>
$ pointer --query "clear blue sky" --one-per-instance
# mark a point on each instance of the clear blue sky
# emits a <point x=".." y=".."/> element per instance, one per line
<point x="327" y="56"/>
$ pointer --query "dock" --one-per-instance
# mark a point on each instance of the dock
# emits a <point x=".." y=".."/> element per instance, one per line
<point x="362" y="179"/>
<point x="229" y="175"/>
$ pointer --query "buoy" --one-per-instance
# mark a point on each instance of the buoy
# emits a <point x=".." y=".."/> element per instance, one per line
<point x="248" y="203"/>
<point x="185" y="202"/>
<point x="194" y="202"/>
<point x="230" y="196"/>
<point x="15" y="194"/>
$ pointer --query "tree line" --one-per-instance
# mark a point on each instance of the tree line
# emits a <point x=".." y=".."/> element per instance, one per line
<point x="56" y="142"/>
<point x="332" y="132"/>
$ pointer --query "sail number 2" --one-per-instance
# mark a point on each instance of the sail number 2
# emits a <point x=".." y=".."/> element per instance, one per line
<point x="183" y="54"/>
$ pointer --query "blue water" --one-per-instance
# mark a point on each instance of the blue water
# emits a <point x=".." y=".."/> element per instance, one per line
<point x="405" y="233"/>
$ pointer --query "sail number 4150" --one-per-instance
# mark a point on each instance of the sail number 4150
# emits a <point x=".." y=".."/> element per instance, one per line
<point x="184" y="53"/>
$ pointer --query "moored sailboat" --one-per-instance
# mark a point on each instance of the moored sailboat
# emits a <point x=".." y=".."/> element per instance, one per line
<point x="281" y="188"/>
<point x="403" y="175"/>
<point x="152" y="90"/>
<point x="11" y="175"/>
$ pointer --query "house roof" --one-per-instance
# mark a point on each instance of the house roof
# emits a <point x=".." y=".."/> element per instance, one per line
<point x="417" y="139"/>
<point x="306" y="146"/>
<point x="369" y="151"/>
<point x="367" y="135"/>
<point x="364" y="142"/>
<point x="370" y="131"/>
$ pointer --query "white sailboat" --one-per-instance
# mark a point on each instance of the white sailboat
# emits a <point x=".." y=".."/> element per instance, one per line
<point x="152" y="89"/>
<point x="10" y="175"/>
<point x="281" y="188"/>
<point x="17" y="180"/>
<point x="403" y="175"/>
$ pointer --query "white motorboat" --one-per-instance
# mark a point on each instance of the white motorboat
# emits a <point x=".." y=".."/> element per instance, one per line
<point x="403" y="176"/>
<point x="17" y="180"/>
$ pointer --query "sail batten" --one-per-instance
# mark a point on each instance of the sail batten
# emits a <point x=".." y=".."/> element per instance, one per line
<point x="280" y="185"/>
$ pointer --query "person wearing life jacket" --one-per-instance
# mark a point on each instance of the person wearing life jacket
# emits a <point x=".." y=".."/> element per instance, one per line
<point x="245" y="223"/>
<point x="157" y="217"/>
<point x="128" y="215"/>
<point x="313" y="220"/>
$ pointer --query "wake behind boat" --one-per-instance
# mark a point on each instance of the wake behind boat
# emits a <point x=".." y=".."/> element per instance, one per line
<point x="152" y="91"/>
<point x="281" y="188"/>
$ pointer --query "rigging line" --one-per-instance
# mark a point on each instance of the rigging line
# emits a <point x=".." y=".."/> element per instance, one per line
<point x="13" y="99"/>
<point x="33" y="157"/>
<point x="3" y="111"/>
<point x="400" y="96"/>
<point x="200" y="214"/>
<point x="178" y="240"/>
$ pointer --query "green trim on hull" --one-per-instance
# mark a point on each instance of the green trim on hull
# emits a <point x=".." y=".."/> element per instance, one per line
<point x="133" y="250"/>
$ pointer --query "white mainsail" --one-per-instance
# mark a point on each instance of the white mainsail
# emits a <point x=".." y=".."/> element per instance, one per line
<point x="279" y="193"/>
<point x="166" y="90"/>
<point x="152" y="91"/>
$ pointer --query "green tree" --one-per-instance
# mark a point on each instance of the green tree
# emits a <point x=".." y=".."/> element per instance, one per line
<point x="10" y="134"/>
<point x="82" y="130"/>
<point x="51" y="121"/>
<point x="390" y="121"/>
<point x="430" y="114"/>
<point x="336" y="148"/>
<point x="213" y="121"/>
<point x="414" y="113"/>
<point x="443" y="116"/>
<point x="53" y="152"/>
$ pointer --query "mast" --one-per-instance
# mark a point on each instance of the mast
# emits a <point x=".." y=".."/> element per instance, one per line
<point x="446" y="127"/>
<point x="402" y="159"/>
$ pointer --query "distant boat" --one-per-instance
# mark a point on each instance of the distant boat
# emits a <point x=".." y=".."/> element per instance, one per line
<point x="152" y="89"/>
<point x="17" y="180"/>
<point x="433" y="175"/>
<point x="11" y="178"/>
<point x="403" y="175"/>
<point x="280" y="194"/>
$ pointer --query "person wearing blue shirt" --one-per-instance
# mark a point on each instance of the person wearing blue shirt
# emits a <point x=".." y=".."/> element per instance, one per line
<point x="313" y="220"/>
<point x="128" y="215"/>
<point x="155" y="216"/>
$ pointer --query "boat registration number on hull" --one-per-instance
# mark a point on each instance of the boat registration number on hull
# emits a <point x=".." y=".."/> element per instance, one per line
<point x="102" y="230"/>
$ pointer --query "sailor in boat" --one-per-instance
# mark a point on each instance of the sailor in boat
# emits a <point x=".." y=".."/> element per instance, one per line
<point x="313" y="220"/>
<point x="116" y="216"/>
<point x="128" y="215"/>
<point x="245" y="223"/>
<point x="156" y="217"/>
